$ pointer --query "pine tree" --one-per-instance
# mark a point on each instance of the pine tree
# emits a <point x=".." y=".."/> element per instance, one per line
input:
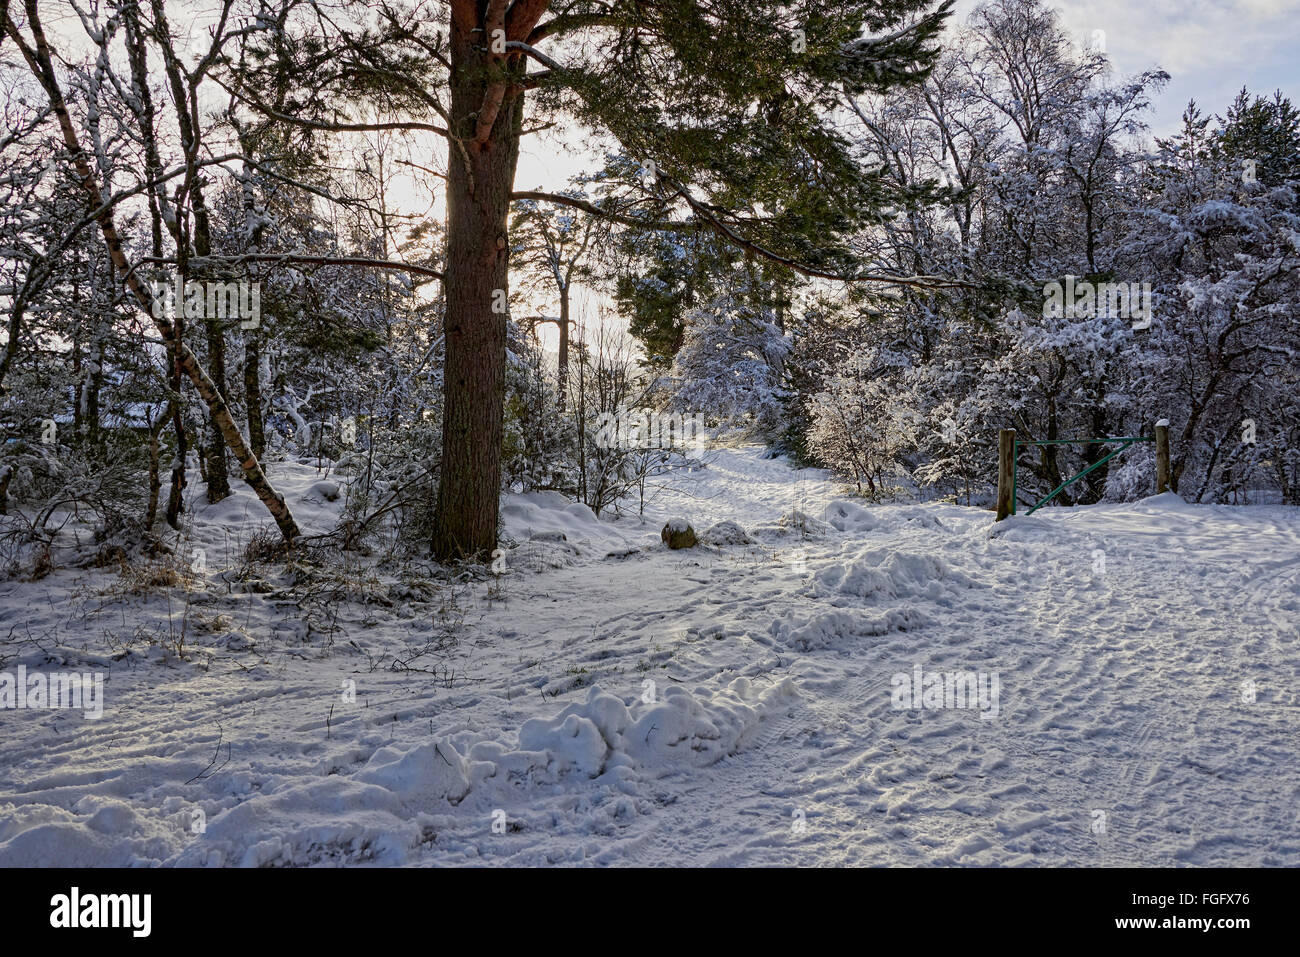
<point x="725" y="106"/>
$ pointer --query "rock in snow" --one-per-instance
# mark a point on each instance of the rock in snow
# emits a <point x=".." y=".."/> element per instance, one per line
<point x="679" y="534"/>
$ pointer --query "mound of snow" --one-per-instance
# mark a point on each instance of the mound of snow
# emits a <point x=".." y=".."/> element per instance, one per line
<point x="325" y="490"/>
<point x="849" y="516"/>
<point x="302" y="487"/>
<point x="835" y="629"/>
<point x="421" y="777"/>
<point x="680" y="729"/>
<point x="796" y="520"/>
<point x="883" y="573"/>
<point x="696" y="730"/>
<point x="793" y="521"/>
<point x="581" y="739"/>
<point x="549" y="516"/>
<point x="318" y="819"/>
<point x="538" y="555"/>
<point x="725" y="533"/>
<point x="33" y="835"/>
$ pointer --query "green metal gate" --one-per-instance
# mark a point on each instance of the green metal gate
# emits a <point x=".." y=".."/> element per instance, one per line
<point x="1124" y="442"/>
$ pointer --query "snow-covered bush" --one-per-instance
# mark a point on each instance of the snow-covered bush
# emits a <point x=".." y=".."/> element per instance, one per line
<point x="732" y="364"/>
<point x="861" y="428"/>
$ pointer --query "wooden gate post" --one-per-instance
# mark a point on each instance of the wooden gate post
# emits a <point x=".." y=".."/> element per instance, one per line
<point x="1006" y="470"/>
<point x="1162" y="456"/>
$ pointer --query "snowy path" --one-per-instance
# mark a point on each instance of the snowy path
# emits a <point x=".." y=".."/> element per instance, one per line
<point x="1124" y="639"/>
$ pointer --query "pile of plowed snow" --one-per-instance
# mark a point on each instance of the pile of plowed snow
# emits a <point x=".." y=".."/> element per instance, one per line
<point x="878" y="575"/>
<point x="389" y="799"/>
<point x="884" y="573"/>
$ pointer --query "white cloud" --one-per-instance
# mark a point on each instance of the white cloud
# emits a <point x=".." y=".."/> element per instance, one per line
<point x="1210" y="47"/>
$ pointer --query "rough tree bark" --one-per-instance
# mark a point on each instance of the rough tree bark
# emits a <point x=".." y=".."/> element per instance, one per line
<point x="486" y="123"/>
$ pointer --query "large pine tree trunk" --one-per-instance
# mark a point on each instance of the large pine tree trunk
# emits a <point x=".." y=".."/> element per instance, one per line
<point x="481" y="170"/>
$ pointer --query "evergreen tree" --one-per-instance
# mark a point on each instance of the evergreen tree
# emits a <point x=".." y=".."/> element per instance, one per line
<point x="725" y="106"/>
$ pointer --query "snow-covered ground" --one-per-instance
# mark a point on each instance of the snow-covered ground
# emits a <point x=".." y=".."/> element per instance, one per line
<point x="605" y="700"/>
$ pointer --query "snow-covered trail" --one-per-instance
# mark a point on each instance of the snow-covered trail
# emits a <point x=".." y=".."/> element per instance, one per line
<point x="1146" y="655"/>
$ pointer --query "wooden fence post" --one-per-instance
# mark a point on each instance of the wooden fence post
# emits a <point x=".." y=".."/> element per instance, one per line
<point x="1162" y="456"/>
<point x="1006" y="469"/>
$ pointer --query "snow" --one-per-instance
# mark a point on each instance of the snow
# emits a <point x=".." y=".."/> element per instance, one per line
<point x="725" y="533"/>
<point x="605" y="700"/>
